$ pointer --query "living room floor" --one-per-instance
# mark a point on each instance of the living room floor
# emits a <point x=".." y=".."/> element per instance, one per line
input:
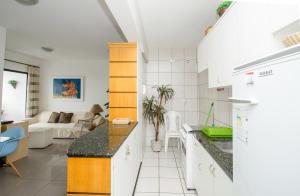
<point x="43" y="172"/>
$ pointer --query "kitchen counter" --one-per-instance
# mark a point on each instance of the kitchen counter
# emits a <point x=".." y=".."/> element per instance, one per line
<point x="103" y="142"/>
<point x="224" y="159"/>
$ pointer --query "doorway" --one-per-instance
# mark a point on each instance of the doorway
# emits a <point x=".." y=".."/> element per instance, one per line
<point x="14" y="95"/>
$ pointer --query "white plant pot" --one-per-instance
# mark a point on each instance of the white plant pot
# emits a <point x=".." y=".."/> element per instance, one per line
<point x="156" y="145"/>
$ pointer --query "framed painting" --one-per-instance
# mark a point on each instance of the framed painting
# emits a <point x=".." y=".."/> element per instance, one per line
<point x="68" y="88"/>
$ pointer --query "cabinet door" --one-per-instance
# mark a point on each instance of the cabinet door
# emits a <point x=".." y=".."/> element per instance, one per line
<point x="223" y="53"/>
<point x="202" y="53"/>
<point x="206" y="177"/>
<point x="196" y="165"/>
<point x="254" y="33"/>
<point x="202" y="164"/>
<point x="122" y="173"/>
<point x="223" y="185"/>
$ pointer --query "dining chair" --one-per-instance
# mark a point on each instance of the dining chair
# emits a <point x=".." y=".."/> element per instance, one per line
<point x="172" y="127"/>
<point x="8" y="147"/>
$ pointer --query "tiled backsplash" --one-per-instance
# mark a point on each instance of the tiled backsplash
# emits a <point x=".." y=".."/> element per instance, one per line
<point x="178" y="68"/>
<point x="222" y="107"/>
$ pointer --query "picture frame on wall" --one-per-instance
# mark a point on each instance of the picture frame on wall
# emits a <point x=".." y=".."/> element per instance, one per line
<point x="68" y="88"/>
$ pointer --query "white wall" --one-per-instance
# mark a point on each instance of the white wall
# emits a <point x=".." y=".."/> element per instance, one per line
<point x="14" y="99"/>
<point x="95" y="84"/>
<point x="222" y="107"/>
<point x="2" y="51"/>
<point x="177" y="67"/>
<point x="22" y="58"/>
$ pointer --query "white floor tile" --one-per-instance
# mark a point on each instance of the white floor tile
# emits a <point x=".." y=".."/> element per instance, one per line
<point x="147" y="162"/>
<point x="168" y="172"/>
<point x="171" y="194"/>
<point x="151" y="155"/>
<point x="167" y="163"/>
<point x="168" y="185"/>
<point x="147" y="185"/>
<point x="149" y="172"/>
<point x="166" y="155"/>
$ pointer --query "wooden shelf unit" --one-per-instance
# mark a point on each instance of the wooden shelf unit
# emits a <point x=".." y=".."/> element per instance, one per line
<point x="122" y="81"/>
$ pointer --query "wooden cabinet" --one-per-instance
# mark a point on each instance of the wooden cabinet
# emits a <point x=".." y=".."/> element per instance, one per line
<point x="244" y="33"/>
<point x="122" y="52"/>
<point x="122" y="69"/>
<point x="122" y="81"/>
<point x="208" y="178"/>
<point x="22" y="150"/>
<point x="89" y="175"/>
<point x="122" y="100"/>
<point x="122" y="85"/>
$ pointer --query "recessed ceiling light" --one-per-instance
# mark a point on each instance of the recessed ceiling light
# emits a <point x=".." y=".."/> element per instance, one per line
<point x="47" y="49"/>
<point x="28" y="2"/>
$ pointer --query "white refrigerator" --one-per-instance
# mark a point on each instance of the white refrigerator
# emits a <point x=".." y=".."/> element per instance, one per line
<point x="266" y="124"/>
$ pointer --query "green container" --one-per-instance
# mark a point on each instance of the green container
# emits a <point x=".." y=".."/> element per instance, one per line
<point x="218" y="132"/>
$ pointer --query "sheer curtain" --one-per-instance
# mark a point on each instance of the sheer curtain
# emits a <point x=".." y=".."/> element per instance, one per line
<point x="33" y="84"/>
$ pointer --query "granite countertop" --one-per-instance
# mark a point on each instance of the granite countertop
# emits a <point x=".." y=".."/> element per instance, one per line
<point x="224" y="159"/>
<point x="104" y="141"/>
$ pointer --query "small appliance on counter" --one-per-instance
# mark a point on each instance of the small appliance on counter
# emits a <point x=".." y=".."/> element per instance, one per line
<point x="121" y="121"/>
<point x="213" y="131"/>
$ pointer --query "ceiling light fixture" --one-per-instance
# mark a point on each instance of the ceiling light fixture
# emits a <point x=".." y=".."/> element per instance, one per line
<point x="28" y="2"/>
<point x="47" y="49"/>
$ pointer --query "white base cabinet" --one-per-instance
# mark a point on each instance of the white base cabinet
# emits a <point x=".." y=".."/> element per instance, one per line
<point x="208" y="178"/>
<point x="125" y="165"/>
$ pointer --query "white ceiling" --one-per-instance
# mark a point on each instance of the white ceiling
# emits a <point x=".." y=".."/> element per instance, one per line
<point x="176" y="23"/>
<point x="76" y="29"/>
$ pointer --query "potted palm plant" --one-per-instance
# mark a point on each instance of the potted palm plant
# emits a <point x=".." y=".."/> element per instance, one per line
<point x="153" y="111"/>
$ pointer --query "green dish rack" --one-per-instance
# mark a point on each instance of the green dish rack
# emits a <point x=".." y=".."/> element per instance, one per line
<point x="216" y="132"/>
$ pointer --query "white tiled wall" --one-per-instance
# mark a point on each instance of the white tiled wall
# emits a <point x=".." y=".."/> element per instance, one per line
<point x="222" y="107"/>
<point x="178" y="68"/>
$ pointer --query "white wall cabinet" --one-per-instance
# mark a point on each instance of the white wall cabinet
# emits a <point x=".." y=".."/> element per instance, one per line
<point x="244" y="33"/>
<point x="208" y="178"/>
<point x="125" y="165"/>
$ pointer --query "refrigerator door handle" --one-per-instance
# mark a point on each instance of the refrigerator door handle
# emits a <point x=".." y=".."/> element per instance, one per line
<point x="243" y="101"/>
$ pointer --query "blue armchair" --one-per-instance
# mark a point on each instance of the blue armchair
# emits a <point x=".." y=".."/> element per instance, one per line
<point x="10" y="146"/>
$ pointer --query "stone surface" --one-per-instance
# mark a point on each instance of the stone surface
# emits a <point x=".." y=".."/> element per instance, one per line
<point x="104" y="141"/>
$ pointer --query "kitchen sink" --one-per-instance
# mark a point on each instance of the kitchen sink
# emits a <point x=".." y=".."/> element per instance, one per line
<point x="225" y="146"/>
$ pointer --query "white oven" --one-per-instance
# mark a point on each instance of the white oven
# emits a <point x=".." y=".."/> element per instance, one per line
<point x="186" y="155"/>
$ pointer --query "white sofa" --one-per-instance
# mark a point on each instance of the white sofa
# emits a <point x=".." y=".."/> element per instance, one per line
<point x="41" y="132"/>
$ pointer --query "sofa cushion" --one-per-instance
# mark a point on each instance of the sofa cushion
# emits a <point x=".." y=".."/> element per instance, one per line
<point x="65" y="117"/>
<point x="54" y="117"/>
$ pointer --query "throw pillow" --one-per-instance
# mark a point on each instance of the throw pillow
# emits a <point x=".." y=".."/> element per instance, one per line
<point x="65" y="117"/>
<point x="54" y="117"/>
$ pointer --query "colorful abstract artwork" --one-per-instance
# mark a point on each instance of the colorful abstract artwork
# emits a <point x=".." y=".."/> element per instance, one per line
<point x="68" y="88"/>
